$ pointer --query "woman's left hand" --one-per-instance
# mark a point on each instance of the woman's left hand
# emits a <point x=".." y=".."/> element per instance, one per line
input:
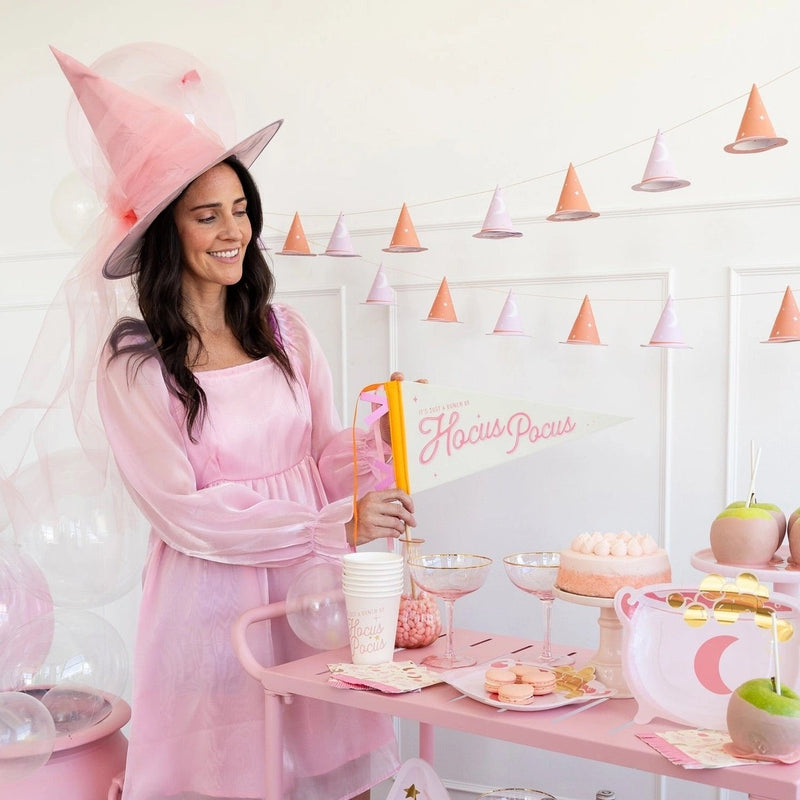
<point x="382" y="515"/>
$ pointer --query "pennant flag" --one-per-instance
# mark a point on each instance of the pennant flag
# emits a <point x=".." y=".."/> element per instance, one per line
<point x="440" y="434"/>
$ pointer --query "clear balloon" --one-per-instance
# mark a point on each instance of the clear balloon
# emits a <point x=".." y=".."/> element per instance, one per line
<point x="27" y="735"/>
<point x="75" y="659"/>
<point x="315" y="607"/>
<point x="74" y="206"/>
<point x="74" y="708"/>
<point x="87" y="536"/>
<point x="24" y="593"/>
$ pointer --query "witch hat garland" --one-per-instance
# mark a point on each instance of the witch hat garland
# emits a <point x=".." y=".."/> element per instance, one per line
<point x="296" y="243"/>
<point x="756" y="133"/>
<point x="667" y="332"/>
<point x="442" y="309"/>
<point x="154" y="152"/>
<point x="572" y="204"/>
<point x="405" y="238"/>
<point x="659" y="174"/>
<point x="584" y="329"/>
<point x="381" y="293"/>
<point x="787" y="323"/>
<point x="508" y="323"/>
<point x="340" y="244"/>
<point x="497" y="223"/>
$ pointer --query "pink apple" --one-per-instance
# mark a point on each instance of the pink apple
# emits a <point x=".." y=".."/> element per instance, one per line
<point x="744" y="536"/>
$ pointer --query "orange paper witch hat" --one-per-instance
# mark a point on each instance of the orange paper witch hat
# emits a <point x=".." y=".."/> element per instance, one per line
<point x="405" y="238"/>
<point x="756" y="133"/>
<point x="584" y="330"/>
<point x="442" y="309"/>
<point x="296" y="243"/>
<point x="787" y="323"/>
<point x="572" y="205"/>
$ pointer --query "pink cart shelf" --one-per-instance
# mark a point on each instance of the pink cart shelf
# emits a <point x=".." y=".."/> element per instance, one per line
<point x="603" y="732"/>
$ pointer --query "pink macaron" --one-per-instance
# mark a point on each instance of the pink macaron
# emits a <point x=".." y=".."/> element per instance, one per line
<point x="541" y="680"/>
<point x="496" y="677"/>
<point x="516" y="694"/>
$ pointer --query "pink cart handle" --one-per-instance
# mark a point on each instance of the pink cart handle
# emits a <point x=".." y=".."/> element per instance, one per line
<point x="239" y="635"/>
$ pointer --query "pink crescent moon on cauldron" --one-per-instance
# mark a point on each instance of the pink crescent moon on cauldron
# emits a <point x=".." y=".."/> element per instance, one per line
<point x="706" y="663"/>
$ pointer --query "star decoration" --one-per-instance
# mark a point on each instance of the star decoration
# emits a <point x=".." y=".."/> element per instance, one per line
<point x="412" y="791"/>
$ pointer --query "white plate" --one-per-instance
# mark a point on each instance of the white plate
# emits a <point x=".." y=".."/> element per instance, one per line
<point x="469" y="681"/>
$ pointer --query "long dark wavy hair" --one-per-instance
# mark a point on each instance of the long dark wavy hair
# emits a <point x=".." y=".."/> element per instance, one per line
<point x="164" y="330"/>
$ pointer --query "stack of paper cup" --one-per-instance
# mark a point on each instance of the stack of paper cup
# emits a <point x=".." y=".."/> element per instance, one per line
<point x="372" y="583"/>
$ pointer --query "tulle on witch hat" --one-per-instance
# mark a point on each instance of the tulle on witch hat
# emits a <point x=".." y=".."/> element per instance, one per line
<point x="154" y="152"/>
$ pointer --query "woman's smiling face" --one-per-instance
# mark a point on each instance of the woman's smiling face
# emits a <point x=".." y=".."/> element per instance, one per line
<point x="214" y="228"/>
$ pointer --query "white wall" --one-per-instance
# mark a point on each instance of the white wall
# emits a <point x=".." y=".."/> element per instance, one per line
<point x="421" y="102"/>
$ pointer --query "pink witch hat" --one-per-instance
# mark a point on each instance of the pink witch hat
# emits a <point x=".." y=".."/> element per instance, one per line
<point x="508" y="323"/>
<point x="572" y="204"/>
<point x="380" y="293"/>
<point x="153" y="150"/>
<point x="405" y="238"/>
<point x="787" y="323"/>
<point x="667" y="332"/>
<point x="442" y="309"/>
<point x="296" y="243"/>
<point x="497" y="224"/>
<point x="340" y="244"/>
<point x="756" y="133"/>
<point x="584" y="329"/>
<point x="659" y="174"/>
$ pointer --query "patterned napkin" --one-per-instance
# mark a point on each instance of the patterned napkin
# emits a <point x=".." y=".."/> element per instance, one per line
<point x="393" y="677"/>
<point x="695" y="749"/>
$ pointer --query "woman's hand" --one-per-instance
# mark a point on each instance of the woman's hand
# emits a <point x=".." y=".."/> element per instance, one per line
<point x="382" y="515"/>
<point x="384" y="422"/>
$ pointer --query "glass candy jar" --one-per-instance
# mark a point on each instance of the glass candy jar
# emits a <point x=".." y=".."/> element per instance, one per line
<point x="418" y="621"/>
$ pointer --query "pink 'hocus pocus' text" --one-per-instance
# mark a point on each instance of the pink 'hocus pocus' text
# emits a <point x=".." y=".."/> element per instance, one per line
<point x="449" y="435"/>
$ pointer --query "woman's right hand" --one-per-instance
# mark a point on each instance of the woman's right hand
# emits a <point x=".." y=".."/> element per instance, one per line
<point x="382" y="515"/>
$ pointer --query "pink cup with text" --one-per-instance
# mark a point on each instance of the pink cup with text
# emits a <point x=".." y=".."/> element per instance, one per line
<point x="372" y="624"/>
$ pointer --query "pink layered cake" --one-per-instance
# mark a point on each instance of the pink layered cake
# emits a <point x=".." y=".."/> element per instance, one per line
<point x="598" y="564"/>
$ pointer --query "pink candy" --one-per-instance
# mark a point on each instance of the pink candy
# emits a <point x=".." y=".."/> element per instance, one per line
<point x="418" y="621"/>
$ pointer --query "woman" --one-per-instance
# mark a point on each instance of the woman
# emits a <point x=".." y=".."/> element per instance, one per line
<point x="218" y="409"/>
<point x="226" y="435"/>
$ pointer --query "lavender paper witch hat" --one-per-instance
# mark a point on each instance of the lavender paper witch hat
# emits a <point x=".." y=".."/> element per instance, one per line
<point x="154" y="152"/>
<point x="509" y="323"/>
<point x="667" y="332"/>
<point x="340" y="244"/>
<point x="497" y="223"/>
<point x="659" y="174"/>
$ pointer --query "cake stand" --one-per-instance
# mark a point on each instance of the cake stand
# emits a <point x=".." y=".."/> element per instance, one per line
<point x="782" y="573"/>
<point x="607" y="661"/>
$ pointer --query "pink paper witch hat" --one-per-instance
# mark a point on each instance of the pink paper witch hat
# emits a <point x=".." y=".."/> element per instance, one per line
<point x="667" y="332"/>
<point x="442" y="309"/>
<point x="153" y="150"/>
<point x="659" y="174"/>
<point x="405" y="238"/>
<point x="340" y="244"/>
<point x="756" y="133"/>
<point x="296" y="243"/>
<point x="508" y="323"/>
<point x="497" y="224"/>
<point x="572" y="204"/>
<point x="584" y="330"/>
<point x="380" y="293"/>
<point x="787" y="323"/>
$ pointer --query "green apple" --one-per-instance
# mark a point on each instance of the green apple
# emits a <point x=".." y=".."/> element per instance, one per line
<point x="761" y="693"/>
<point x="780" y="517"/>
<point x="763" y="723"/>
<point x="744" y="536"/>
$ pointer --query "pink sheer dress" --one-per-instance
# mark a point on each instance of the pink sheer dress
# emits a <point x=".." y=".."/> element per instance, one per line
<point x="264" y="491"/>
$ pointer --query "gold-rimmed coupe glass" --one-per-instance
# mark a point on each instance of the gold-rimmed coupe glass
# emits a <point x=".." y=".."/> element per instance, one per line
<point x="535" y="573"/>
<point x="449" y="576"/>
